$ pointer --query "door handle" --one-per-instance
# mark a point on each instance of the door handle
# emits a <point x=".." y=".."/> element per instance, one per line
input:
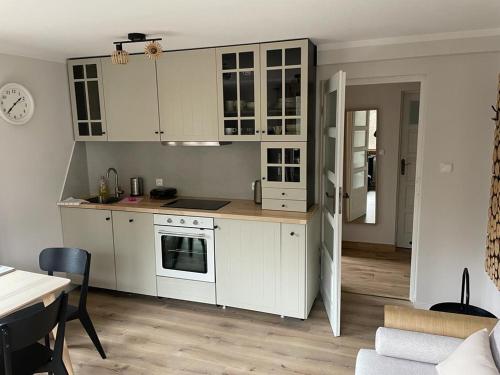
<point x="346" y="195"/>
<point x="403" y="167"/>
<point x="340" y="200"/>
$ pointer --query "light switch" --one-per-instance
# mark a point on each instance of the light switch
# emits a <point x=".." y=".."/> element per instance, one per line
<point x="159" y="182"/>
<point x="445" y="167"/>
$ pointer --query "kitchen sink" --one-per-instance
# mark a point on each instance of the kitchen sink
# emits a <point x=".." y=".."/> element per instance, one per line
<point x="108" y="200"/>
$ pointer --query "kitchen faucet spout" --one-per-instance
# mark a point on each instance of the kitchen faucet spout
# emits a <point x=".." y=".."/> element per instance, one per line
<point x="118" y="191"/>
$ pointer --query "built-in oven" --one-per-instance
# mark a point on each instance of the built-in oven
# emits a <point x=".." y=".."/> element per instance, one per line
<point x="185" y="247"/>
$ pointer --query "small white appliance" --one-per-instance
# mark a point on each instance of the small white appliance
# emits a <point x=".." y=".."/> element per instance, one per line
<point x="184" y="247"/>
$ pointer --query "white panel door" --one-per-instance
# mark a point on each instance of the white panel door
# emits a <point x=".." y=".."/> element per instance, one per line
<point x="131" y="99"/>
<point x="333" y="107"/>
<point x="92" y="230"/>
<point x="407" y="168"/>
<point x="247" y="260"/>
<point x="356" y="163"/>
<point x="187" y="93"/>
<point x="134" y="252"/>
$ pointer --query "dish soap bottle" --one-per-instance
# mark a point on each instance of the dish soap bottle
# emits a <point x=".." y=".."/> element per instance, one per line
<point x="103" y="189"/>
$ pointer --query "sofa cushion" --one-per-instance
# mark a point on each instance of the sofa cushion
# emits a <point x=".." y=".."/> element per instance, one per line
<point x="414" y="346"/>
<point x="473" y="356"/>
<point x="495" y="344"/>
<point x="369" y="362"/>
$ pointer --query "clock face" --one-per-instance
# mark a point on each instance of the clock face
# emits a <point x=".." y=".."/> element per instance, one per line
<point x="16" y="104"/>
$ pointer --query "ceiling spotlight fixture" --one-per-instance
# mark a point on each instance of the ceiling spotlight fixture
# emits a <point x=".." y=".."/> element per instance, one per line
<point x="152" y="49"/>
<point x="119" y="56"/>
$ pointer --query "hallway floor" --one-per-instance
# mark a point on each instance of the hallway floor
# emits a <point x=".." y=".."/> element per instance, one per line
<point x="378" y="273"/>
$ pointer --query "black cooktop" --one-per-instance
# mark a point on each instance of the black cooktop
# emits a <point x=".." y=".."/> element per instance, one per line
<point x="197" y="204"/>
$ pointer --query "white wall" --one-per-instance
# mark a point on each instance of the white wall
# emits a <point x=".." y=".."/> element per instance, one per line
<point x="457" y="94"/>
<point x="218" y="172"/>
<point x="387" y="99"/>
<point x="33" y="160"/>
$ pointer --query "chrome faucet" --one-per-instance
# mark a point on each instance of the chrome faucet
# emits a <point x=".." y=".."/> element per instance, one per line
<point x="118" y="191"/>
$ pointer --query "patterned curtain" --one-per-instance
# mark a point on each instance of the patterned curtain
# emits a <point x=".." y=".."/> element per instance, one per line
<point x="493" y="243"/>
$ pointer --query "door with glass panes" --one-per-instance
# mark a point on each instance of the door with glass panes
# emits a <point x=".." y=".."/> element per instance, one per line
<point x="333" y="107"/>
<point x="238" y="81"/>
<point x="284" y="90"/>
<point x="87" y="99"/>
<point x="283" y="164"/>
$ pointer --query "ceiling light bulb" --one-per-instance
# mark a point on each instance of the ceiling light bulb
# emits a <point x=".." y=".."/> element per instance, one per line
<point x="153" y="50"/>
<point x="119" y="56"/>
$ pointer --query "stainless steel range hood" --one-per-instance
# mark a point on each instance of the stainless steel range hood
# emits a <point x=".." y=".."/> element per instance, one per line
<point x="196" y="143"/>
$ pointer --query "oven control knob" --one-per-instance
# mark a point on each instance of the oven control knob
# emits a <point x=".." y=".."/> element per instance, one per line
<point x="182" y="221"/>
<point x="169" y="221"/>
<point x="195" y="222"/>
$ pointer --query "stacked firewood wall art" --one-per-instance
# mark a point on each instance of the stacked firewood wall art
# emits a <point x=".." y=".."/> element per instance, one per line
<point x="493" y="242"/>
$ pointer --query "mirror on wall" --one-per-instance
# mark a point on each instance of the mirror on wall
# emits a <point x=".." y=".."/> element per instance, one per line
<point x="361" y="166"/>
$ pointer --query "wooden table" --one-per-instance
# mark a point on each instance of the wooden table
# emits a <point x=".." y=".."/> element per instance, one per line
<point x="20" y="288"/>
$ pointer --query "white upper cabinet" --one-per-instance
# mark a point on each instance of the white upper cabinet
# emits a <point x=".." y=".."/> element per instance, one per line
<point x="283" y="165"/>
<point x="187" y="93"/>
<point x="131" y="99"/>
<point x="238" y="83"/>
<point x="87" y="99"/>
<point x="284" y="83"/>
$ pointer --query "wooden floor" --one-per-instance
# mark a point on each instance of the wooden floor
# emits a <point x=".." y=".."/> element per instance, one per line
<point x="144" y="335"/>
<point x="377" y="273"/>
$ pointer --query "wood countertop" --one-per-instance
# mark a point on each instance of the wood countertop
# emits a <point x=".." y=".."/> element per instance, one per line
<point x="237" y="209"/>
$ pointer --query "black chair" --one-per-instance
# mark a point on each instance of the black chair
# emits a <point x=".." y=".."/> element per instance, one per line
<point x="75" y="261"/>
<point x="20" y="333"/>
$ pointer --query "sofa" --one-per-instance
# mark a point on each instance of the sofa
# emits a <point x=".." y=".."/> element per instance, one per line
<point x="413" y="342"/>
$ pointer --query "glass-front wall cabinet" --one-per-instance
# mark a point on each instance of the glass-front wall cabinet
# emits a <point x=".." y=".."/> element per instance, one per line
<point x="284" y="90"/>
<point x="85" y="80"/>
<point x="238" y="77"/>
<point x="283" y="164"/>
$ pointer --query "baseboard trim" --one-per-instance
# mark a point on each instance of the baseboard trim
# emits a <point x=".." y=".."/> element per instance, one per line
<point x="368" y="246"/>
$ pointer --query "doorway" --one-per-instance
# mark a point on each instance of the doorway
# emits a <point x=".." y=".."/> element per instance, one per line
<point x="381" y="135"/>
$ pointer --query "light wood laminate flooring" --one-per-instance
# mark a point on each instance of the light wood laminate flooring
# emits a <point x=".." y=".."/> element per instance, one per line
<point x="377" y="273"/>
<point x="144" y="335"/>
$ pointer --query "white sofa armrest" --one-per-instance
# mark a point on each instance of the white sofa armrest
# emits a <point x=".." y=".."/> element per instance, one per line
<point x="414" y="346"/>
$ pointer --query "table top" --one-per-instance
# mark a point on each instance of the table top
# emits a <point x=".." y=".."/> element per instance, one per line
<point x="21" y="288"/>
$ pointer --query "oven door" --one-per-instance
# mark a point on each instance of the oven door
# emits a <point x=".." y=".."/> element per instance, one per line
<point x="185" y="253"/>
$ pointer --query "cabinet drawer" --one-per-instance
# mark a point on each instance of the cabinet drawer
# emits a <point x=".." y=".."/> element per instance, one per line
<point x="293" y="194"/>
<point x="284" y="205"/>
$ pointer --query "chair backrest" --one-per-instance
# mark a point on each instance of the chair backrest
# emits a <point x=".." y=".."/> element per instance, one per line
<point x="64" y="259"/>
<point x="28" y="326"/>
<point x="71" y="260"/>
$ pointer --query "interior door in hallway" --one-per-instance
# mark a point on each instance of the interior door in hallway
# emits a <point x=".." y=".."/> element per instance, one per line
<point x="408" y="160"/>
<point x="333" y="108"/>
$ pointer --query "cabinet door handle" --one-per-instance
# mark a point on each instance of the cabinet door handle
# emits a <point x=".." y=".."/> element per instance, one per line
<point x="283" y="205"/>
<point x="216" y="227"/>
<point x="162" y="132"/>
<point x="292" y="233"/>
<point x="283" y="193"/>
<point x="108" y="219"/>
<point x="263" y="131"/>
<point x="263" y="178"/>
<point x="130" y="220"/>
<point x="157" y="132"/>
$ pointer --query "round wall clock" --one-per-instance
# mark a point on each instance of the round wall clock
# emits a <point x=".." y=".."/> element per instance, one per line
<point x="16" y="104"/>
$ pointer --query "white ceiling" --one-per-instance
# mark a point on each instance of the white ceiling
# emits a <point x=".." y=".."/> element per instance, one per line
<point x="57" y="29"/>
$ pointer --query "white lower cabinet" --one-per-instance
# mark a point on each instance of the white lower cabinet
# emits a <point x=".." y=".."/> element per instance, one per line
<point x="134" y="252"/>
<point x="267" y="267"/>
<point x="247" y="255"/>
<point x="92" y="230"/>
<point x="292" y="282"/>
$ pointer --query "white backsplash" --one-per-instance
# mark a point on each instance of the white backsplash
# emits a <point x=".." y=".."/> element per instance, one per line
<point x="219" y="172"/>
